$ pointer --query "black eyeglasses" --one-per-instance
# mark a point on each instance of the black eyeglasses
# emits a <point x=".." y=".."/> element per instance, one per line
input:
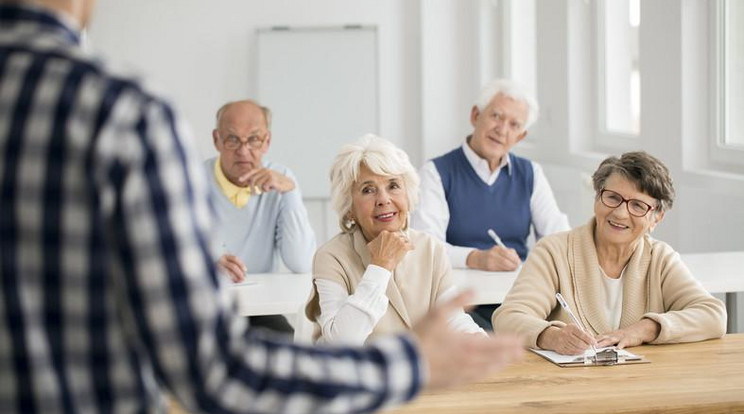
<point x="635" y="207"/>
<point x="254" y="141"/>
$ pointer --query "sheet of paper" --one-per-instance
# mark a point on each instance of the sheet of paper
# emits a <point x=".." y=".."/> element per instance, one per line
<point x="568" y="359"/>
<point x="246" y="282"/>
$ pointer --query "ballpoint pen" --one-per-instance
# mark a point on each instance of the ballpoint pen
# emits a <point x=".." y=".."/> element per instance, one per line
<point x="576" y="321"/>
<point x="496" y="238"/>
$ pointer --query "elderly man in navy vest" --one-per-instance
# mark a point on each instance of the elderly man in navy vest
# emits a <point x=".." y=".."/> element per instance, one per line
<point x="481" y="185"/>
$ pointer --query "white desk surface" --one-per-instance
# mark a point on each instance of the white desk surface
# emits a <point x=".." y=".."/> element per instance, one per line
<point x="286" y="293"/>
<point x="721" y="272"/>
<point x="272" y="293"/>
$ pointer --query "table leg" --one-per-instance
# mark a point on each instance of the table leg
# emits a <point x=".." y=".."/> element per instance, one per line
<point x="731" y="309"/>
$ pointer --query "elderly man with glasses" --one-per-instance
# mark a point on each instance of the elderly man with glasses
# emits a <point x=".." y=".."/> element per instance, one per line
<point x="257" y="201"/>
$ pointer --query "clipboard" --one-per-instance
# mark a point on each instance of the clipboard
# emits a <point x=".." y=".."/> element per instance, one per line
<point x="605" y="356"/>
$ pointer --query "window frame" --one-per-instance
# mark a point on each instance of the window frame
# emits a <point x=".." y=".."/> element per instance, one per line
<point x="727" y="157"/>
<point x="510" y="53"/>
<point x="606" y="140"/>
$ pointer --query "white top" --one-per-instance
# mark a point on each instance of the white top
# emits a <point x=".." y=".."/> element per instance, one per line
<point x="432" y="215"/>
<point x="612" y="289"/>
<point x="350" y="319"/>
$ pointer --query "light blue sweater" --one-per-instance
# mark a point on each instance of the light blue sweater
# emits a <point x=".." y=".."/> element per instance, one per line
<point x="272" y="224"/>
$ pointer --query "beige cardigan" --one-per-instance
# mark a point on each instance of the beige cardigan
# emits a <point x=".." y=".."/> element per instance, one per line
<point x="656" y="285"/>
<point x="416" y="283"/>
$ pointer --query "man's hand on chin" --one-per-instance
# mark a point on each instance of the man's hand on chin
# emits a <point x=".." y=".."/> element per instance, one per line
<point x="266" y="179"/>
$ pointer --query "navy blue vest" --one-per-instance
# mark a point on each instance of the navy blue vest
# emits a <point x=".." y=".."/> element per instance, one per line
<point x="476" y="207"/>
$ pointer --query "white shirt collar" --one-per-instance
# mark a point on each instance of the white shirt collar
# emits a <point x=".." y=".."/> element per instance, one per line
<point x="480" y="165"/>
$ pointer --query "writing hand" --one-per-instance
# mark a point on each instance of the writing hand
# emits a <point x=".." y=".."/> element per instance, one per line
<point x="495" y="259"/>
<point x="233" y="266"/>
<point x="568" y="340"/>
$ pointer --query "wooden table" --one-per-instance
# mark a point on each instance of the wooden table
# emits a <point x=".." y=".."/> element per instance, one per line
<point x="703" y="377"/>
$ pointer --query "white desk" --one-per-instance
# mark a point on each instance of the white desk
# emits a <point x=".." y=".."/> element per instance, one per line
<point x="285" y="293"/>
<point x="721" y="272"/>
<point x="272" y="293"/>
<point x="282" y="293"/>
<point x="489" y="287"/>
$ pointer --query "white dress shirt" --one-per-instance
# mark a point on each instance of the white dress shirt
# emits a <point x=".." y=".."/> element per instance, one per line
<point x="432" y="215"/>
<point x="350" y="319"/>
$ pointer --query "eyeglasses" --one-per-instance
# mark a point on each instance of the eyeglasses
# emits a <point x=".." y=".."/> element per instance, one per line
<point x="255" y="141"/>
<point x="635" y="207"/>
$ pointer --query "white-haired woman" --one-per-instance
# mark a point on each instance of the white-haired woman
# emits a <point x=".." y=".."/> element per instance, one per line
<point x="377" y="276"/>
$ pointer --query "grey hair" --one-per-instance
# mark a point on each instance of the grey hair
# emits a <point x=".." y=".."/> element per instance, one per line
<point x="512" y="89"/>
<point x="381" y="157"/>
<point x="646" y="171"/>
<point x="266" y="112"/>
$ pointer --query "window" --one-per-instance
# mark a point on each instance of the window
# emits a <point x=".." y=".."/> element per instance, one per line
<point x="726" y="143"/>
<point x="523" y="44"/>
<point x="731" y="75"/>
<point x="516" y="42"/>
<point x="619" y="77"/>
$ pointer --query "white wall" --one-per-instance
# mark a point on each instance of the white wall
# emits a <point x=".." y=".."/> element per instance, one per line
<point x="203" y="52"/>
<point x="431" y="64"/>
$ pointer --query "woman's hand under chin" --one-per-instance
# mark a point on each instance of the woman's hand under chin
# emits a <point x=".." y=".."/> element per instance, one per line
<point x="388" y="249"/>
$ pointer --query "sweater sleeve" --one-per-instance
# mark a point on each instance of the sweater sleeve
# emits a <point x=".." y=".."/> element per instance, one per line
<point x="459" y="321"/>
<point x="294" y="234"/>
<point x="691" y="313"/>
<point x="531" y="299"/>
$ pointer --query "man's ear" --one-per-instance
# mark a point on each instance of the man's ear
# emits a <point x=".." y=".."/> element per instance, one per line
<point x="268" y="141"/>
<point x="216" y="140"/>
<point x="522" y="135"/>
<point x="474" y="114"/>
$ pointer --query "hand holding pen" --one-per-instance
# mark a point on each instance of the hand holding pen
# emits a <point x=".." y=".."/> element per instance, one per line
<point x="496" y="238"/>
<point x="231" y="265"/>
<point x="498" y="258"/>
<point x="577" y="323"/>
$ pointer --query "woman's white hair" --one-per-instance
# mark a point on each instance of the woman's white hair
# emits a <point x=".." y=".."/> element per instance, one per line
<point x="513" y="90"/>
<point x="381" y="157"/>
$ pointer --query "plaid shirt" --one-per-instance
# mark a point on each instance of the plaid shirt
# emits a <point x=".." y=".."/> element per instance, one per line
<point x="108" y="285"/>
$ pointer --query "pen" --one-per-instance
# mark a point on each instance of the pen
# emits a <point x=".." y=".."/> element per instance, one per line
<point x="496" y="238"/>
<point x="578" y="323"/>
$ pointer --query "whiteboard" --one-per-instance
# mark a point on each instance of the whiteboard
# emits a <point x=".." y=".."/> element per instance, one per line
<point x="321" y="85"/>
